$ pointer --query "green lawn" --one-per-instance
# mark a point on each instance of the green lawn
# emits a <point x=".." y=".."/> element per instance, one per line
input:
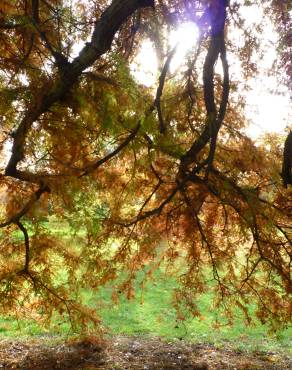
<point x="151" y="313"/>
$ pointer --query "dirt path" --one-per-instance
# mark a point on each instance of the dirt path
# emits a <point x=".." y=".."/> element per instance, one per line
<point x="121" y="353"/>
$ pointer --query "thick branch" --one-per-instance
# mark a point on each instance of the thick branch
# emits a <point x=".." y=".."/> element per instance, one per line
<point x="35" y="10"/>
<point x="105" y="28"/>
<point x="26" y="243"/>
<point x="287" y="161"/>
<point x="214" y="119"/>
<point x="103" y="34"/>
<point x="215" y="126"/>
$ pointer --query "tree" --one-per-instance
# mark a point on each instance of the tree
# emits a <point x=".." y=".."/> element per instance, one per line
<point x="85" y="142"/>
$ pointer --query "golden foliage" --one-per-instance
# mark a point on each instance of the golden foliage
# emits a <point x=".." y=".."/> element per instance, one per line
<point x="93" y="191"/>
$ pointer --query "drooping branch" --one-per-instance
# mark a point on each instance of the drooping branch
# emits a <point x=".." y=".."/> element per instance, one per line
<point x="215" y="126"/>
<point x="287" y="161"/>
<point x="26" y="243"/>
<point x="104" y="31"/>
<point x="254" y="228"/>
<point x="216" y="274"/>
<point x="96" y="164"/>
<point x="36" y="196"/>
<point x="35" y="10"/>
<point x="153" y="212"/>
<point x="179" y="186"/>
<point x="159" y="92"/>
<point x="103" y="34"/>
<point x="214" y="119"/>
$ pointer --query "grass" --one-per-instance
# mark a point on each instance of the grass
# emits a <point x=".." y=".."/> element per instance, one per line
<point x="151" y="313"/>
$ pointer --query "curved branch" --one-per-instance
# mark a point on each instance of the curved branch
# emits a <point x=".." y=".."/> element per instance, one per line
<point x="214" y="119"/>
<point x="36" y="196"/>
<point x="153" y="212"/>
<point x="105" y="29"/>
<point x="215" y="127"/>
<point x="98" y="163"/>
<point x="26" y="243"/>
<point x="162" y="77"/>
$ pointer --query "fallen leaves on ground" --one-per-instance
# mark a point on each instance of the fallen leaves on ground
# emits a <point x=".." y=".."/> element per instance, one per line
<point x="123" y="353"/>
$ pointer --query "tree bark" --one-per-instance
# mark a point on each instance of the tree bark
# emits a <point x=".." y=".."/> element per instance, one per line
<point x="104" y="31"/>
<point x="287" y="161"/>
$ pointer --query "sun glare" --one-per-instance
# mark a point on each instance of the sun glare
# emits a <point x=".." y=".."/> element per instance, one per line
<point x="185" y="38"/>
<point x="145" y="67"/>
<point x="266" y="111"/>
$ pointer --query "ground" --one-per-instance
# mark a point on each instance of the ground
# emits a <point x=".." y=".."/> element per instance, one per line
<point x="131" y="353"/>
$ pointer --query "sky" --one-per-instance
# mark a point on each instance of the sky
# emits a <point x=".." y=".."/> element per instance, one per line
<point x="266" y="110"/>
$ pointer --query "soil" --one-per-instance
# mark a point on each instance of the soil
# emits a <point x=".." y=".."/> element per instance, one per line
<point x="121" y="353"/>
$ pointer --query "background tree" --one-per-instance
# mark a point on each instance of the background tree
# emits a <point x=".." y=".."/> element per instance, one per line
<point x="85" y="142"/>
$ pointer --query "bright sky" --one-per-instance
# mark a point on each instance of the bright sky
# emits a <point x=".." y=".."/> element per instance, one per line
<point x="145" y="68"/>
<point x="267" y="111"/>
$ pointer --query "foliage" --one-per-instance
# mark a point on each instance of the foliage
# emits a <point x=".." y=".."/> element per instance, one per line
<point x="153" y="301"/>
<point x="140" y="175"/>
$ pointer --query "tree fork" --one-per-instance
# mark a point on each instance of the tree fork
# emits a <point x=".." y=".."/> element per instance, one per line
<point x="214" y="119"/>
<point x="104" y="31"/>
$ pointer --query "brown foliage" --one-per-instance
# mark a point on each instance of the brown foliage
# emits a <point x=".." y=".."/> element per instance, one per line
<point x="170" y="179"/>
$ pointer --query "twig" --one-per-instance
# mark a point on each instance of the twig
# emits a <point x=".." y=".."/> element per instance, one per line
<point x="98" y="163"/>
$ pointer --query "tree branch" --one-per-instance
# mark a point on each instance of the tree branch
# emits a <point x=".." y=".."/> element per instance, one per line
<point x="215" y="126"/>
<point x="36" y="196"/>
<point x="287" y="161"/>
<point x="105" y="28"/>
<point x="159" y="92"/>
<point x="214" y="119"/>
<point x="26" y="243"/>
<point x="98" y="163"/>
